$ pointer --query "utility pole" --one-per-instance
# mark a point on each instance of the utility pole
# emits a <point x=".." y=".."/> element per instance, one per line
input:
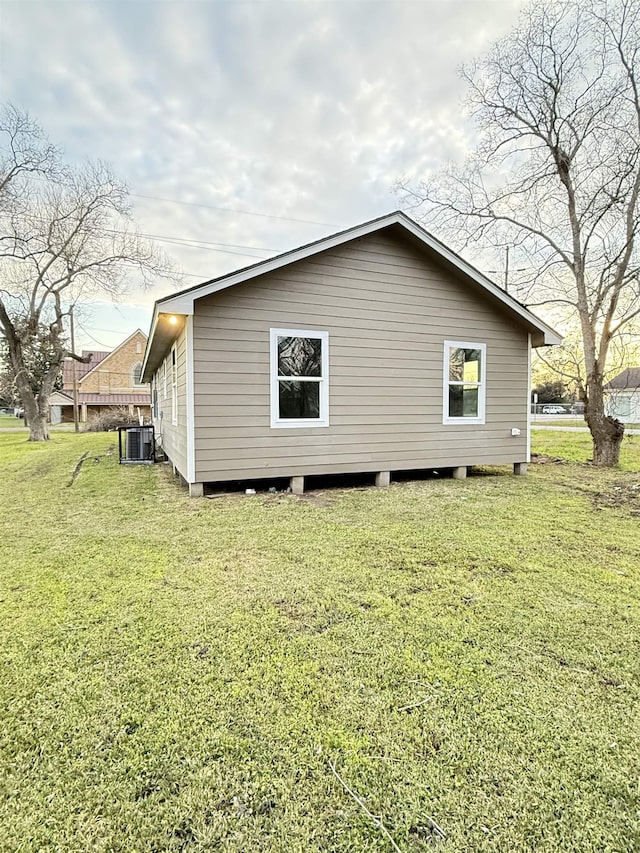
<point x="76" y="424"/>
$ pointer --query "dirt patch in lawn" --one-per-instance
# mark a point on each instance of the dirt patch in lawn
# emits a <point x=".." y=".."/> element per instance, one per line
<point x="543" y="459"/>
<point x="618" y="494"/>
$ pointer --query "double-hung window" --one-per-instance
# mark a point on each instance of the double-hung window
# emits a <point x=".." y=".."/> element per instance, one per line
<point x="464" y="382"/>
<point x="299" y="378"/>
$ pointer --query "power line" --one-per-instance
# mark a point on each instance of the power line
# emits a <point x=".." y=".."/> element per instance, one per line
<point x="233" y="210"/>
<point x="176" y="242"/>
<point x="207" y="206"/>
<point x="89" y="335"/>
<point x="204" y="244"/>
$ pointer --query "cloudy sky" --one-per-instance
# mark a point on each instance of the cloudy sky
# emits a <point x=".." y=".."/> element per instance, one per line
<point x="245" y="128"/>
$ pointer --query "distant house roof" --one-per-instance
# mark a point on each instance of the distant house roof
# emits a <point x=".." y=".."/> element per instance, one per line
<point x="81" y="367"/>
<point x="62" y="398"/>
<point x="94" y="364"/>
<point x="628" y="380"/>
<point x="114" y="399"/>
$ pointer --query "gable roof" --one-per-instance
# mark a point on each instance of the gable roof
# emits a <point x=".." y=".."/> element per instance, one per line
<point x="108" y="355"/>
<point x="628" y="380"/>
<point x="81" y="367"/>
<point x="182" y="303"/>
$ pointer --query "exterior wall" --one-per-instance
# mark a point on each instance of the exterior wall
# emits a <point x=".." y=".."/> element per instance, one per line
<point x="624" y="404"/>
<point x="114" y="374"/>
<point x="388" y="311"/>
<point x="173" y="437"/>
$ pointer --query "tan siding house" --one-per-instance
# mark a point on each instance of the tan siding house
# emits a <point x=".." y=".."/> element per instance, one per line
<point x="375" y="350"/>
<point x="169" y="411"/>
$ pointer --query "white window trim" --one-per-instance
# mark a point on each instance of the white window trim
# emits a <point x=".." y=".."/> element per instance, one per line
<point x="174" y="384"/>
<point x="299" y="423"/>
<point x="482" y="385"/>
<point x="140" y="383"/>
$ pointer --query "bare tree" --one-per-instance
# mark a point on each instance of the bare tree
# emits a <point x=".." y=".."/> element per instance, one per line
<point x="65" y="233"/>
<point x="557" y="174"/>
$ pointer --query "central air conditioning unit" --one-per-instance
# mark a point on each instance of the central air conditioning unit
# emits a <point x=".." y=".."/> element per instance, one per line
<point x="137" y="444"/>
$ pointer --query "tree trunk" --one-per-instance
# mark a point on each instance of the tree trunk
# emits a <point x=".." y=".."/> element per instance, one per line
<point x="38" y="428"/>
<point x="34" y="418"/>
<point x="607" y="433"/>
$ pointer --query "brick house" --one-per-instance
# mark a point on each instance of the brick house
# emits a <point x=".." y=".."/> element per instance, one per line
<point x="108" y="380"/>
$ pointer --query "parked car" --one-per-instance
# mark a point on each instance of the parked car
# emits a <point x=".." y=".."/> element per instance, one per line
<point x="554" y="410"/>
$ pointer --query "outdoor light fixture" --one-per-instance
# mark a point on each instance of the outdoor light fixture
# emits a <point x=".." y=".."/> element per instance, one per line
<point x="173" y="319"/>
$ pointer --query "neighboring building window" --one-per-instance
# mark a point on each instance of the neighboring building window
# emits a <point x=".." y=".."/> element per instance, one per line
<point x="299" y="378"/>
<point x="174" y="387"/>
<point x="619" y="406"/>
<point x="137" y="373"/>
<point x="138" y="347"/>
<point x="464" y="382"/>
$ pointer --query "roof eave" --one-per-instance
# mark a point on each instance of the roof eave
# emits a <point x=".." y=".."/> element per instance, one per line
<point x="165" y="328"/>
<point x="182" y="303"/>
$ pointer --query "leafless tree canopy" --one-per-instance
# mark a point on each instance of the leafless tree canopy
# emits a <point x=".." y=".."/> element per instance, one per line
<point x="65" y="234"/>
<point x="557" y="173"/>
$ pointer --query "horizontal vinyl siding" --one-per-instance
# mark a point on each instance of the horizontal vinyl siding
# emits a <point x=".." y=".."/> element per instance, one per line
<point x="388" y="311"/>
<point x="173" y="437"/>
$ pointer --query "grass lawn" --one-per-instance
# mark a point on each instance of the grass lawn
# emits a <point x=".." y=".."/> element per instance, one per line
<point x="10" y="421"/>
<point x="180" y="675"/>
<point x="570" y="422"/>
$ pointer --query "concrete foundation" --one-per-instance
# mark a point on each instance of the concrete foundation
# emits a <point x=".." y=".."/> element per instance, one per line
<point x="383" y="478"/>
<point x="296" y="484"/>
<point x="196" y="490"/>
<point x="460" y="473"/>
<point x="520" y="468"/>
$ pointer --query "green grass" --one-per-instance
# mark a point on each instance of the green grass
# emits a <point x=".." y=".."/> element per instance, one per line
<point x="570" y="422"/>
<point x="178" y="674"/>
<point x="578" y="447"/>
<point x="10" y="421"/>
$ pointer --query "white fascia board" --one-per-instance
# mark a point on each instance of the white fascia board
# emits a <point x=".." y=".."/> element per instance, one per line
<point x="182" y="303"/>
<point x="550" y="336"/>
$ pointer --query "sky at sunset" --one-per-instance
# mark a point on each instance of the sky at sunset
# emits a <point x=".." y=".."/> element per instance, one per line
<point x="245" y="128"/>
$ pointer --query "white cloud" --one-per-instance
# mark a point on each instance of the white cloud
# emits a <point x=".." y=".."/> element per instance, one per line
<point x="308" y="110"/>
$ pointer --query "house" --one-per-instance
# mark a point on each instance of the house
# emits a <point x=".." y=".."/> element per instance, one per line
<point x="622" y="396"/>
<point x="376" y="349"/>
<point x="109" y="379"/>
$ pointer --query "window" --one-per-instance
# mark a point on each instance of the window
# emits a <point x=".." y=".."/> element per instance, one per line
<point x="299" y="378"/>
<point x="620" y="406"/>
<point x="174" y="387"/>
<point x="137" y="373"/>
<point x="464" y="382"/>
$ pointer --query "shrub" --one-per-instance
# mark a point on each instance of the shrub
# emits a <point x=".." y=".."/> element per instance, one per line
<point x="110" y="419"/>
